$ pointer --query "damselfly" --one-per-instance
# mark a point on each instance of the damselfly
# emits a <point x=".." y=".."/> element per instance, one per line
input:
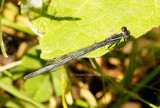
<point x="113" y="39"/>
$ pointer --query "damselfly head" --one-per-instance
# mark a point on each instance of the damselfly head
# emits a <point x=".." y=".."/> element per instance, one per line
<point x="127" y="32"/>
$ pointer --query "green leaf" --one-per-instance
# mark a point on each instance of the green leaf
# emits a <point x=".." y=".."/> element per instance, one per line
<point x="56" y="80"/>
<point x="39" y="88"/>
<point x="14" y="103"/>
<point x="13" y="25"/>
<point x="10" y="102"/>
<point x="14" y="91"/>
<point x="18" y="72"/>
<point x="68" y="25"/>
<point x="32" y="60"/>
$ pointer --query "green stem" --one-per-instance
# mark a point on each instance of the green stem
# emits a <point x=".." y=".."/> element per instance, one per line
<point x="1" y="38"/>
<point x="17" y="27"/>
<point x="99" y="70"/>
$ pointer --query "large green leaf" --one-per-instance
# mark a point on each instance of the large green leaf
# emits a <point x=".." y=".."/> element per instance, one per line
<point x="56" y="80"/>
<point x="10" y="102"/>
<point x="31" y="60"/>
<point x="14" y="91"/>
<point x="68" y="25"/>
<point x="39" y="88"/>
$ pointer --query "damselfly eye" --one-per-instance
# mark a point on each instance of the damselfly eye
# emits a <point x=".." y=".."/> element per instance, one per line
<point x="124" y="28"/>
<point x="127" y="32"/>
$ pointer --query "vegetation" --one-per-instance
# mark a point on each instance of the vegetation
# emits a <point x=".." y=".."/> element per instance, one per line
<point x="125" y="76"/>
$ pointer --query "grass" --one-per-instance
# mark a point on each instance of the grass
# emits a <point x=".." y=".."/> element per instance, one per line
<point x="1" y="38"/>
